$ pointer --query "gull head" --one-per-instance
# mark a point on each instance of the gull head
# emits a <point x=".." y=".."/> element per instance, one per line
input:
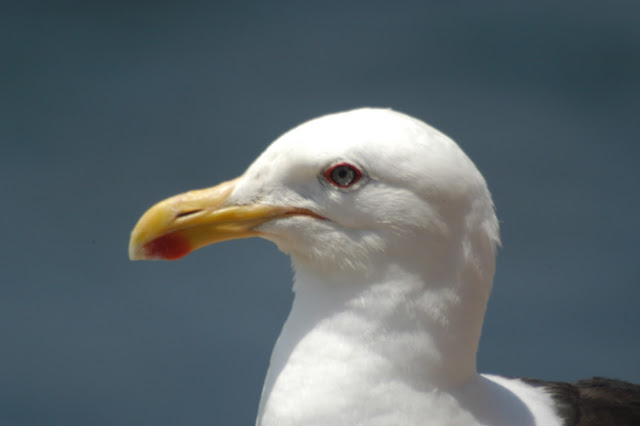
<point x="347" y="193"/>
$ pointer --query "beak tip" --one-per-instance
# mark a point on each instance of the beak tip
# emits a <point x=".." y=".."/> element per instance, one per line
<point x="135" y="253"/>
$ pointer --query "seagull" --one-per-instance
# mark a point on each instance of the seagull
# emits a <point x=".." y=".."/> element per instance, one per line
<point x="392" y="234"/>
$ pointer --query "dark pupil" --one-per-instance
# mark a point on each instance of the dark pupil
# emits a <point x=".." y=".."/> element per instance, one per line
<point x="343" y="175"/>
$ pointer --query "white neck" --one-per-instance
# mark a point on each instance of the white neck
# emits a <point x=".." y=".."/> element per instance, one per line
<point x="395" y="334"/>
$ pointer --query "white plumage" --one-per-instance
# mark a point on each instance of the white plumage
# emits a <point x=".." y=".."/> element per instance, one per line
<point x="390" y="291"/>
<point x="392" y="234"/>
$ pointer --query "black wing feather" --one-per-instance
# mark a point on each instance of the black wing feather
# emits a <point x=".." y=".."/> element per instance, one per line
<point x="594" y="402"/>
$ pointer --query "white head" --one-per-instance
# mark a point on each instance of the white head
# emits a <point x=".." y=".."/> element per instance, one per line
<point x="357" y="198"/>
<point x="419" y="197"/>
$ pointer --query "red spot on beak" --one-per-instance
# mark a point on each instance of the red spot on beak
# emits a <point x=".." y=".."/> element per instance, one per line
<point x="169" y="247"/>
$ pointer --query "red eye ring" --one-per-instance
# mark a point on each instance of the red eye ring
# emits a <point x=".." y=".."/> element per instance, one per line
<point x="343" y="175"/>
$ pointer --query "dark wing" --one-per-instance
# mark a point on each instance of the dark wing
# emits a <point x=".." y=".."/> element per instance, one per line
<point x="594" y="402"/>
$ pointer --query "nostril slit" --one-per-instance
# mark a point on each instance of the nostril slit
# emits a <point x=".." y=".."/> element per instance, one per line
<point x="187" y="213"/>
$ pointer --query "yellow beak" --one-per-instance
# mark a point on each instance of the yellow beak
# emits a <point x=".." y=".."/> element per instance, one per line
<point x="178" y="225"/>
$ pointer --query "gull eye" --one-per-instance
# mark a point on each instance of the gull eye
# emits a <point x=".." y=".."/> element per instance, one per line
<point x="343" y="175"/>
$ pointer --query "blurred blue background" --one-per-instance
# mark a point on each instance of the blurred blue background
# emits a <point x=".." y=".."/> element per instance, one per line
<point x="108" y="107"/>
